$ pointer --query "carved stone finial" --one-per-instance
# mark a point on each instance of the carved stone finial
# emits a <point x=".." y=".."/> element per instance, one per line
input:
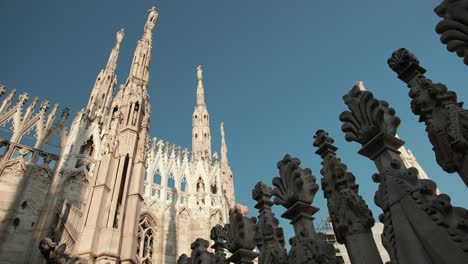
<point x="295" y="189"/>
<point x="65" y="113"/>
<point x="453" y="27"/>
<point x="410" y="206"/>
<point x="160" y="145"/>
<point x="184" y="259"/>
<point x="322" y="138"/>
<point x="45" y="105"/>
<point x="240" y="237"/>
<point x="23" y="98"/>
<point x="185" y="153"/>
<point x="351" y="218"/>
<point x="368" y="117"/>
<point x="294" y="183"/>
<point x="152" y="18"/>
<point x="240" y="232"/>
<point x="262" y="192"/>
<point x="269" y="236"/>
<point x="218" y="236"/>
<point x="405" y="64"/>
<point x="445" y="119"/>
<point x="200" y="252"/>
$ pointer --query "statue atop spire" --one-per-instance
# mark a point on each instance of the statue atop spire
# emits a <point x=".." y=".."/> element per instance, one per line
<point x="201" y="136"/>
<point x="200" y="72"/>
<point x="152" y="17"/>
<point x="139" y="70"/>
<point x="101" y="95"/>
<point x="112" y="63"/>
<point x="200" y="88"/>
<point x="119" y="36"/>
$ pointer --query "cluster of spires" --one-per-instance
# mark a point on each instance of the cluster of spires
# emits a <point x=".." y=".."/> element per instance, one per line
<point x="24" y="120"/>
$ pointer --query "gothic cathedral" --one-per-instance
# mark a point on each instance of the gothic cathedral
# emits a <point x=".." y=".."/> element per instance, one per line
<point x="110" y="195"/>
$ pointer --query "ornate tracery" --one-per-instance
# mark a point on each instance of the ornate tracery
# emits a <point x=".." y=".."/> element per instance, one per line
<point x="146" y="236"/>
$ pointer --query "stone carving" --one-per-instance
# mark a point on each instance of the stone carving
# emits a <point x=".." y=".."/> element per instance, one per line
<point x="200" y="254"/>
<point x="371" y="110"/>
<point x="295" y="189"/>
<point x="269" y="236"/>
<point x="351" y="218"/>
<point x="13" y="170"/>
<point x="56" y="254"/>
<point x="240" y="237"/>
<point x="445" y="119"/>
<point x="454" y="26"/>
<point x="184" y="259"/>
<point x="410" y="206"/>
<point x="218" y="236"/>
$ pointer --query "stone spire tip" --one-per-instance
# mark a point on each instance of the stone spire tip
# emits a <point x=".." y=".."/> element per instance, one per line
<point x="361" y="86"/>
<point x="199" y="72"/>
<point x="120" y="35"/>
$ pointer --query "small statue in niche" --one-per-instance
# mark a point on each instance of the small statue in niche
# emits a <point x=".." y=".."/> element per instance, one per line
<point x="214" y="189"/>
<point x="135" y="113"/>
<point x="200" y="185"/>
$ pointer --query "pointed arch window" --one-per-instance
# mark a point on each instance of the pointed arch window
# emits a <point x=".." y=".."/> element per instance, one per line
<point x="88" y="147"/>
<point x="171" y="181"/>
<point x="146" y="237"/>
<point x="157" y="177"/>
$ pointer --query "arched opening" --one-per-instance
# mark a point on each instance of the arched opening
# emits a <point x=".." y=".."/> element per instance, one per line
<point x="136" y="110"/>
<point x="146" y="237"/>
<point x="183" y="184"/>
<point x="171" y="182"/>
<point x="123" y="181"/>
<point x="87" y="148"/>
<point x="115" y="117"/>
<point x="157" y="178"/>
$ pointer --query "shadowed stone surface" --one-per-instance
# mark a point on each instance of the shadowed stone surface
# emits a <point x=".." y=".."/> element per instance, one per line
<point x="420" y="226"/>
<point x="240" y="236"/>
<point x="453" y="28"/>
<point x="351" y="218"/>
<point x="295" y="189"/>
<point x="55" y="254"/>
<point x="270" y="237"/>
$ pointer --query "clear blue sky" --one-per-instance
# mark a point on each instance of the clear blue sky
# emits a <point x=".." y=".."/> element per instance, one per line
<point x="274" y="71"/>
